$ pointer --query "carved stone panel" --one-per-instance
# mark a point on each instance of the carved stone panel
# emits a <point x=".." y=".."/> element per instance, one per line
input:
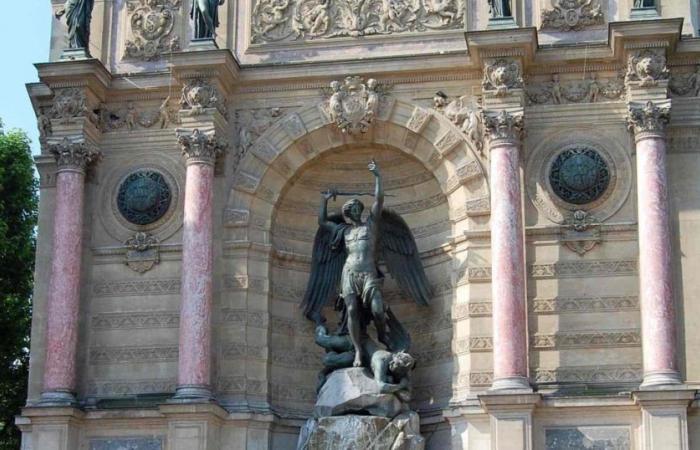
<point x="121" y="443"/>
<point x="152" y="23"/>
<point x="594" y="437"/>
<point x="298" y="20"/>
<point x="572" y="15"/>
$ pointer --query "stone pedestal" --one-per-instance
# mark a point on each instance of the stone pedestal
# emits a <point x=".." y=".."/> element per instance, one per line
<point x="511" y="419"/>
<point x="664" y="418"/>
<point x="51" y="428"/>
<point x="194" y="426"/>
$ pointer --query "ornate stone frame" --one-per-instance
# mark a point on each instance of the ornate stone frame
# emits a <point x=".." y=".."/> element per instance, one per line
<point x="557" y="210"/>
<point x="121" y="229"/>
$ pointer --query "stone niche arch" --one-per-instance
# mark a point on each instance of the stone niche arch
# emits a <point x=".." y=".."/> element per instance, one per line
<point x="269" y="222"/>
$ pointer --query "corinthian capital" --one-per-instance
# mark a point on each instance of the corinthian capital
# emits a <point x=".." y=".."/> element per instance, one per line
<point x="503" y="127"/>
<point x="202" y="148"/>
<point x="648" y="119"/>
<point x="72" y="155"/>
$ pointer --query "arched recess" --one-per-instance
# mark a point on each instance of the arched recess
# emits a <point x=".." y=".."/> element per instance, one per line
<point x="448" y="172"/>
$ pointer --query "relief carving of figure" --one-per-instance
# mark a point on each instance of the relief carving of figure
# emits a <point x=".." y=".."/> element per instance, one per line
<point x="464" y="112"/>
<point x="345" y="263"/>
<point x="270" y="14"/>
<point x="397" y="15"/>
<point x="311" y="20"/>
<point x="78" y="15"/>
<point x="205" y="15"/>
<point x="446" y="10"/>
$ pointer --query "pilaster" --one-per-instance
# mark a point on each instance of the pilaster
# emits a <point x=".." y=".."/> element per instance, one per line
<point x="511" y="419"/>
<point x="51" y="428"/>
<point x="194" y="426"/>
<point x="664" y="418"/>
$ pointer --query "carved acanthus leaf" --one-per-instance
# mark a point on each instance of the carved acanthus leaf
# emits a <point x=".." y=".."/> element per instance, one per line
<point x="152" y="23"/>
<point x="648" y="118"/>
<point x="73" y="155"/>
<point x="354" y="104"/>
<point x="572" y="15"/>
<point x="647" y="67"/>
<point x="199" y="95"/>
<point x="199" y="147"/>
<point x="503" y="126"/>
<point x="501" y="75"/>
<point x="289" y="20"/>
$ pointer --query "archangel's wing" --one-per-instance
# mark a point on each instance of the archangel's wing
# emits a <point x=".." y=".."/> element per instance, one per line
<point x="401" y="256"/>
<point x="327" y="262"/>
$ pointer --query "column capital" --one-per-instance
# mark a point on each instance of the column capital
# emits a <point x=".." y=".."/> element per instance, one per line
<point x="200" y="147"/>
<point x="73" y="155"/>
<point x="649" y="119"/>
<point x="503" y="127"/>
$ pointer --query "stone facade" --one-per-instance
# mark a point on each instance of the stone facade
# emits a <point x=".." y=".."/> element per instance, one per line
<point x="551" y="186"/>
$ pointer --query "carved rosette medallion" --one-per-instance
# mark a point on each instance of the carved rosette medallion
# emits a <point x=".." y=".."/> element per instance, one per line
<point x="201" y="148"/>
<point x="199" y="95"/>
<point x="503" y="127"/>
<point x="648" y="120"/>
<point x="353" y="105"/>
<point x="647" y="67"/>
<point x="142" y="252"/>
<point x="572" y="15"/>
<point x="501" y="75"/>
<point x="75" y="156"/>
<point x="152" y="23"/>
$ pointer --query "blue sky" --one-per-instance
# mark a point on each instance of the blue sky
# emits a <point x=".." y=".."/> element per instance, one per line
<point x="25" y="33"/>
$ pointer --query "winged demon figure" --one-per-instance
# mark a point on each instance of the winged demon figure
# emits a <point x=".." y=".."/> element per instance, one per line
<point x="345" y="267"/>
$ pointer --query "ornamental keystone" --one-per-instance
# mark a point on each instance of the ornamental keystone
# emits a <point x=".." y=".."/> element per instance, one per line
<point x="503" y="126"/>
<point x="72" y="155"/>
<point x="648" y="120"/>
<point x="202" y="148"/>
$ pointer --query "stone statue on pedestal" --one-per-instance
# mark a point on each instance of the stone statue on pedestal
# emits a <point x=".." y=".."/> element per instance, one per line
<point x="205" y="15"/>
<point x="361" y="376"/>
<point x="500" y="8"/>
<point x="78" y="14"/>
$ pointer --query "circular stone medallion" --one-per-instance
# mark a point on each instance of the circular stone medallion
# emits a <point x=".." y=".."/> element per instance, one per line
<point x="579" y="175"/>
<point x="144" y="197"/>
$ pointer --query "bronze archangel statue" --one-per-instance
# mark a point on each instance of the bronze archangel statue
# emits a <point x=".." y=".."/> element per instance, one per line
<point x="205" y="15"/>
<point x="345" y="267"/>
<point x="78" y="14"/>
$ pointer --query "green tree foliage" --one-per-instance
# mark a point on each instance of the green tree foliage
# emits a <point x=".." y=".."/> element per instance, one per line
<point x="18" y="216"/>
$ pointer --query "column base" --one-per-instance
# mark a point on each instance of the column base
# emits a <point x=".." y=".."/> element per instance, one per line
<point x="202" y="44"/>
<point x="58" y="398"/>
<point x="192" y="394"/>
<point x="507" y="385"/>
<point x="499" y="23"/>
<point x="661" y="380"/>
<point x="70" y="54"/>
<point x="647" y="13"/>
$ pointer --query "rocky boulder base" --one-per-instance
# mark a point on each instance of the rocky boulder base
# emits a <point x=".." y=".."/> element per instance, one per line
<point x="353" y="432"/>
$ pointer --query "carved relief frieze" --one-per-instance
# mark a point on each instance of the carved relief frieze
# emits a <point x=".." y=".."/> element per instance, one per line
<point x="119" y="288"/>
<point x="589" y="374"/>
<point x="354" y="104"/>
<point x="135" y="320"/>
<point x="562" y="305"/>
<point x="152" y="23"/>
<point x="593" y="268"/>
<point x="250" y="124"/>
<point x="131" y="117"/>
<point x="70" y="104"/>
<point x="299" y="20"/>
<point x="647" y="67"/>
<point x="685" y="84"/>
<point x="501" y="75"/>
<point x="465" y="113"/>
<point x="114" y="388"/>
<point x="589" y="90"/>
<point x="199" y="95"/>
<point x="572" y="15"/>
<point x="134" y="354"/>
<point x="586" y="339"/>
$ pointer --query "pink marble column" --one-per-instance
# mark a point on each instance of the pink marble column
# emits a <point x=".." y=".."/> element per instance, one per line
<point x="194" y="368"/>
<point x="64" y="291"/>
<point x="655" y="279"/>
<point x="510" y="359"/>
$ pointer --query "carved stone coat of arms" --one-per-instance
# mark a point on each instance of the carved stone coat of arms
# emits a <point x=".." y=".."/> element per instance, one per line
<point x="354" y="104"/>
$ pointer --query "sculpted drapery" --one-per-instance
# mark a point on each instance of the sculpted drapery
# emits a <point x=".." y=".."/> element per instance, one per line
<point x="78" y="14"/>
<point x="205" y="15"/>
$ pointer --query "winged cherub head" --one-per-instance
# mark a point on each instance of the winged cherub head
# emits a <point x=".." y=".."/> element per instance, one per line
<point x="352" y="209"/>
